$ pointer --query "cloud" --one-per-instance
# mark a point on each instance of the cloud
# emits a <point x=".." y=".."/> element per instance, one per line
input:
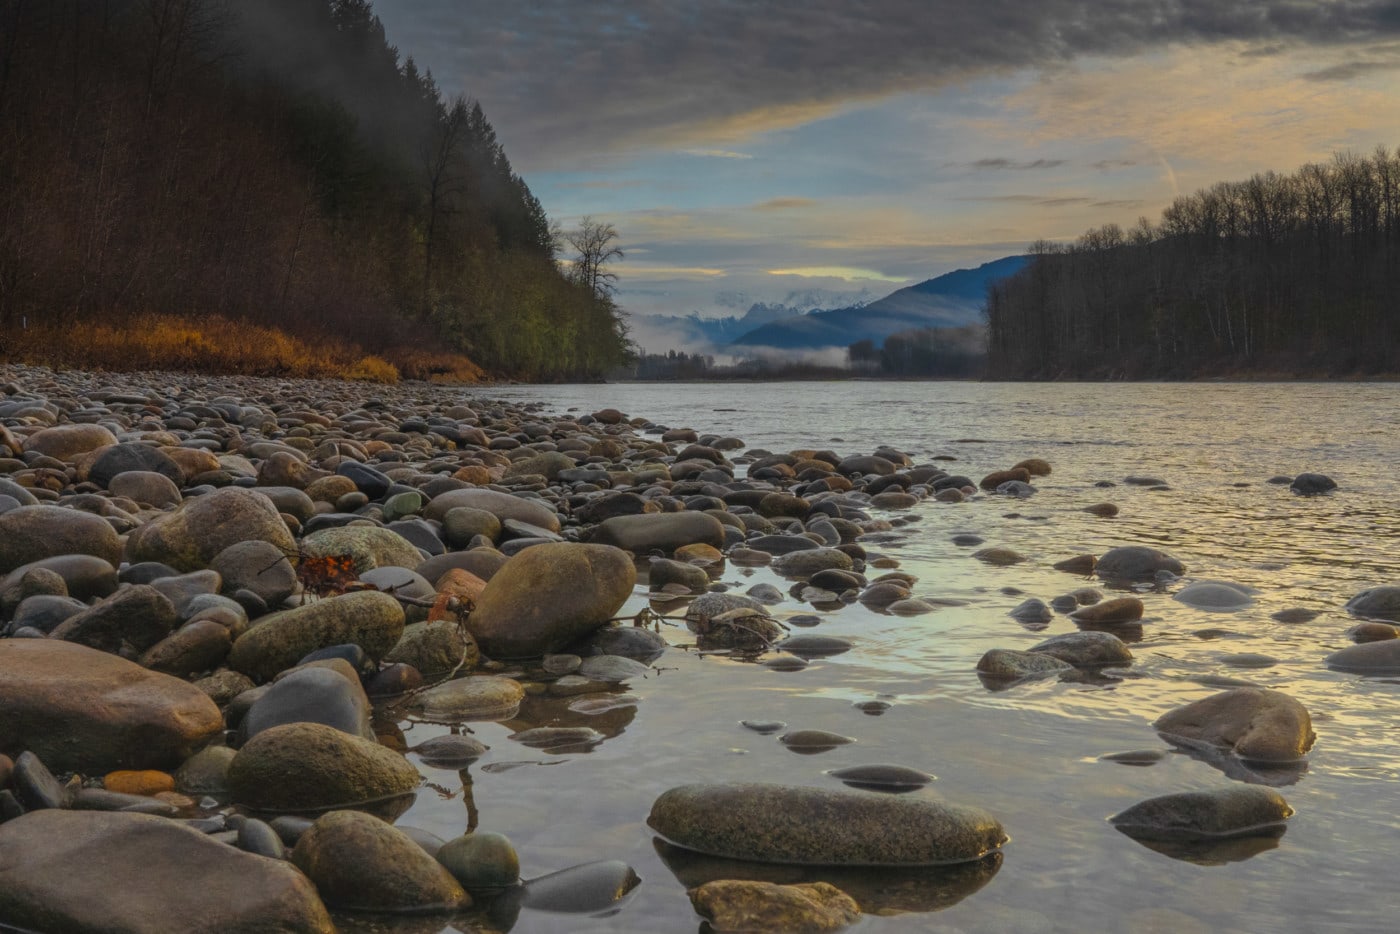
<point x="1009" y="164"/>
<point x="1040" y="201"/>
<point x="846" y="273"/>
<point x="1106" y="165"/>
<point x="560" y="77"/>
<point x="716" y="154"/>
<point x="1349" y="70"/>
<point x="785" y="204"/>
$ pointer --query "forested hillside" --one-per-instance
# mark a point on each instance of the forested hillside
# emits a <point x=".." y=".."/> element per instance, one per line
<point x="275" y="164"/>
<point x="1280" y="275"/>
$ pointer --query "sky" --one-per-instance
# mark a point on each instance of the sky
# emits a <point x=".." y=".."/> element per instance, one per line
<point x="750" y="149"/>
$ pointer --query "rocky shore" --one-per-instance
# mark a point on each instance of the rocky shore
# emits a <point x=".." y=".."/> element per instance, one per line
<point x="214" y="593"/>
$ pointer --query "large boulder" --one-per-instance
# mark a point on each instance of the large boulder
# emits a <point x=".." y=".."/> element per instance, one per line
<point x="31" y="533"/>
<point x="79" y="709"/>
<point x="94" y="872"/>
<point x="189" y="538"/>
<point x="661" y="531"/>
<point x="820" y="826"/>
<point x="501" y="505"/>
<point x="1255" y="723"/>
<point x="360" y="863"/>
<point x="548" y="596"/>
<point x="311" y="767"/>
<point x="372" y="620"/>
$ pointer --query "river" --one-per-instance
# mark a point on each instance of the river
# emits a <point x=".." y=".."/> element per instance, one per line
<point x="1032" y="754"/>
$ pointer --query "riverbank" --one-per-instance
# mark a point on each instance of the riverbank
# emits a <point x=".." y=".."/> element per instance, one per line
<point x="216" y="487"/>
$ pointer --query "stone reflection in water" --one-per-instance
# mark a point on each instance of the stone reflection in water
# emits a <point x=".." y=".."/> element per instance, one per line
<point x="573" y="727"/>
<point x="880" y="890"/>
<point x="1273" y="774"/>
<point x="1211" y="851"/>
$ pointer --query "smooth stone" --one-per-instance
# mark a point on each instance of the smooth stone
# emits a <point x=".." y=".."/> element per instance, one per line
<point x="138" y="616"/>
<point x="664" y="532"/>
<point x="205" y="772"/>
<point x="223" y="685"/>
<point x="1032" y="610"/>
<point x="371" y="546"/>
<point x="32" y="533"/>
<point x="911" y="607"/>
<point x="146" y="487"/>
<point x="1141" y="757"/>
<point x="310" y="695"/>
<point x="663" y="571"/>
<point x="763" y="727"/>
<point x="806" y="645"/>
<point x="35" y="786"/>
<point x="461" y="524"/>
<point x="1377" y="657"/>
<point x="549" y="596"/>
<point x="818" y="826"/>
<point x="744" y="905"/>
<point x="309" y="767"/>
<point x="435" y="648"/>
<point x="79" y="709"/>
<point x="481" y="861"/>
<point x="1213" y="595"/>
<point x="374" y="621"/>
<point x="1102" y="510"/>
<point x="781" y="544"/>
<point x="479" y="697"/>
<point x="882" y="777"/>
<point x="45" y="612"/>
<point x="999" y="557"/>
<point x="1311" y="484"/>
<point x="813" y="740"/>
<point x="92" y="871"/>
<point x="130" y="455"/>
<point x="256" y="837"/>
<point x="1117" y="610"/>
<point x="1255" y="723"/>
<point x="193" y="648"/>
<point x="1011" y="664"/>
<point x="192" y="536"/>
<point x="1295" y="615"/>
<point x="257" y="566"/>
<point x="554" y="737"/>
<point x="807" y="563"/>
<point x="1372" y="632"/>
<point x="613" y="669"/>
<point x="361" y="863"/>
<point x="1224" y="812"/>
<point x="1381" y="603"/>
<point x="1079" y="564"/>
<point x="636" y="642"/>
<point x="590" y="888"/>
<point x="1086" y="649"/>
<point x="66" y="442"/>
<point x="1248" y="660"/>
<point x="1136" y="562"/>
<point x="84" y="576"/>
<point x="501" y="505"/>
<point x="450" y="751"/>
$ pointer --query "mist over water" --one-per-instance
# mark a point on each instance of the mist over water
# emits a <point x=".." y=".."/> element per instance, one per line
<point x="1030" y="754"/>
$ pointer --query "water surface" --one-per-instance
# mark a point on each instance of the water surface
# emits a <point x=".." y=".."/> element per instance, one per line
<point x="1030" y="754"/>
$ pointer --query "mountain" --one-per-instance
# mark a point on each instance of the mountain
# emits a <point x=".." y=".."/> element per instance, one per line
<point x="951" y="300"/>
<point x="697" y="333"/>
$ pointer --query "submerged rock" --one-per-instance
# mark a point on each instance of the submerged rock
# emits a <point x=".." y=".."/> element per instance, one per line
<point x="1238" y="810"/>
<point x="1012" y="665"/>
<point x="1086" y="649"/>
<point x="734" y="905"/>
<point x="1137" y="562"/>
<point x="1254" y="723"/>
<point x="1377" y="603"/>
<point x="817" y="826"/>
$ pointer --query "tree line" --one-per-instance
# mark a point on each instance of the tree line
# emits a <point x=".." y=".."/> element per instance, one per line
<point x="1282" y="275"/>
<point x="275" y="162"/>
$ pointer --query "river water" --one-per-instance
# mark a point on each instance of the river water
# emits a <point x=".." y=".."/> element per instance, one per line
<point x="1031" y="754"/>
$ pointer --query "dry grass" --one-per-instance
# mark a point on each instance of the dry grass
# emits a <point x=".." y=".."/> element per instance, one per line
<point x="437" y="366"/>
<point x="206" y="344"/>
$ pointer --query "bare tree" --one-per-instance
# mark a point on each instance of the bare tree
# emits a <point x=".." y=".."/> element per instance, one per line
<point x="594" y="243"/>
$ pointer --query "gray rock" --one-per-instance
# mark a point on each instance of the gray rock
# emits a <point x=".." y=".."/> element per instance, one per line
<point x="501" y="505"/>
<point x="1223" y="812"/>
<point x="883" y="777"/>
<point x="664" y="532"/>
<point x="67" y="442"/>
<point x="1032" y="610"/>
<point x="798" y="824"/>
<point x="614" y="669"/>
<point x="374" y="621"/>
<point x="435" y="648"/>
<point x="1377" y="657"/>
<point x="1254" y="723"/>
<point x="480" y="697"/>
<point x="35" y="786"/>
<point x="1311" y="484"/>
<point x="259" y="567"/>
<point x="87" y="872"/>
<point x="807" y="563"/>
<point x="31" y="533"/>
<point x="548" y="596"/>
<point x="450" y="751"/>
<point x="1137" y="562"/>
<point x="707" y="606"/>
<point x="461" y="524"/>
<point x="1214" y="595"/>
<point x="370" y="546"/>
<point x="360" y="863"/>
<point x="310" y="695"/>
<point x="591" y="888"/>
<point x="1377" y="603"/>
<point x="481" y="861"/>
<point x="205" y="772"/>
<point x="1086" y="649"/>
<point x="138" y="616"/>
<point x="1012" y="665"/>
<point x="635" y="642"/>
<point x="751" y="905"/>
<point x="83" y="710"/>
<point x="196" y="647"/>
<point x="310" y="767"/>
<point x="84" y="576"/>
<point x="665" y="571"/>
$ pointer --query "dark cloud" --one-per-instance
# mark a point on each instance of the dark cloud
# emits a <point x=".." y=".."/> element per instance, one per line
<point x="560" y="78"/>
<point x="1013" y="165"/>
<point x="1040" y="201"/>
<point x="1118" y="203"/>
<point x="1104" y="165"/>
<point x="1350" y="70"/>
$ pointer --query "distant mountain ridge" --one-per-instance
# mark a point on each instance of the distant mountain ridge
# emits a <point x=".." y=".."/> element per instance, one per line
<point x="951" y="300"/>
<point x="695" y="332"/>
